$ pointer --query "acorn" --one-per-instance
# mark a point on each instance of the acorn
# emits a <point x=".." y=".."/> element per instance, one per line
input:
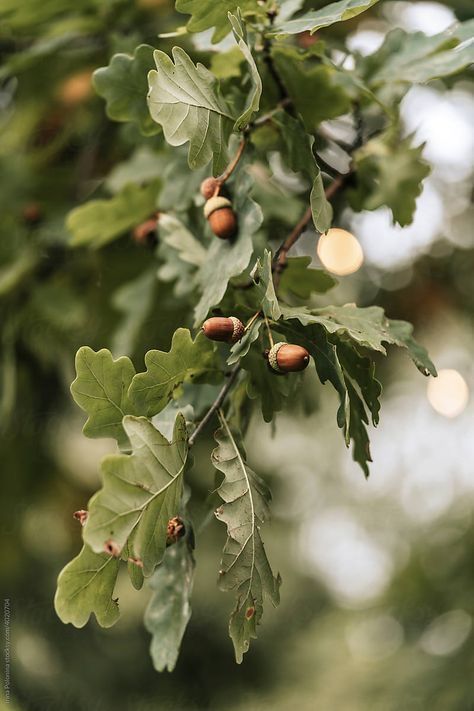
<point x="288" y="358"/>
<point x="222" y="220"/>
<point x="145" y="233"/>
<point x="209" y="186"/>
<point x="219" y="328"/>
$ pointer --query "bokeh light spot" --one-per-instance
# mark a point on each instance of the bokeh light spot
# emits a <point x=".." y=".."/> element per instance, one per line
<point x="448" y="394"/>
<point x="340" y="252"/>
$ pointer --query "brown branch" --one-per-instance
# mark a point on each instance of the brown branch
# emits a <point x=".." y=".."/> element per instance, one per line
<point x="216" y="404"/>
<point x="233" y="164"/>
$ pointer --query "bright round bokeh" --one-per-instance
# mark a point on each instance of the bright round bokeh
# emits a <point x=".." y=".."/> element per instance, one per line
<point x="340" y="252"/>
<point x="448" y="394"/>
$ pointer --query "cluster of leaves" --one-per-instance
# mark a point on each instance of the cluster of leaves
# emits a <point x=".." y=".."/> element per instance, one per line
<point x="181" y="114"/>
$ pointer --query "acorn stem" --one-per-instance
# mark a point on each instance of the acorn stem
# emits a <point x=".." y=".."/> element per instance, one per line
<point x="232" y="165"/>
<point x="252" y="321"/>
<point x="270" y="336"/>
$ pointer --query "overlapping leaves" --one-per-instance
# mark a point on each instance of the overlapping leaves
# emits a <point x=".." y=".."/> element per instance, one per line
<point x="328" y="15"/>
<point x="245" y="569"/>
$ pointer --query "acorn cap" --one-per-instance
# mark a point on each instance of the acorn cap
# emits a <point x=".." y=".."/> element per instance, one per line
<point x="272" y="356"/>
<point x="239" y="329"/>
<point x="215" y="203"/>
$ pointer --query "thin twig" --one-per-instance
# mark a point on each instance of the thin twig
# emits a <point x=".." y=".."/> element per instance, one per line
<point x="216" y="404"/>
<point x="270" y="335"/>
<point x="233" y="164"/>
<point x="252" y="320"/>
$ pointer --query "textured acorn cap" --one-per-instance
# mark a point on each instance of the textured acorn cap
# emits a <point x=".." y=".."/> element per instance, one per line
<point x="239" y="329"/>
<point x="215" y="203"/>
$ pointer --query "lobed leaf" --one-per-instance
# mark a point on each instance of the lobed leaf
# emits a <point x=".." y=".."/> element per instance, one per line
<point x="101" y="389"/>
<point x="186" y="361"/>
<point x="245" y="569"/>
<point x="124" y="87"/>
<point x="214" y="13"/>
<point x="184" y="99"/>
<point x="86" y="586"/>
<point x="326" y="16"/>
<point x="141" y="492"/>
<point x="169" y="609"/>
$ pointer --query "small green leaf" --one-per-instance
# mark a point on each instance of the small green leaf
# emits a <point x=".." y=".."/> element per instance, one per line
<point x="98" y="222"/>
<point x="141" y="492"/>
<point x="184" y="99"/>
<point x="124" y="86"/>
<point x="272" y="390"/>
<point x="100" y="389"/>
<point x="86" y="586"/>
<point x="177" y="236"/>
<point x="297" y="149"/>
<point x="302" y="281"/>
<point x="328" y="15"/>
<point x="186" y="361"/>
<point x="214" y="13"/>
<point x="245" y="569"/>
<point x="263" y="277"/>
<point x="242" y="347"/>
<point x="169" y="609"/>
<point x="253" y="103"/>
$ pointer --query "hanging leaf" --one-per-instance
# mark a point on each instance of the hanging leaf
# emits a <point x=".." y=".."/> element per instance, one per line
<point x="124" y="87"/>
<point x="402" y="331"/>
<point x="253" y="103"/>
<point x="245" y="569"/>
<point x="302" y="281"/>
<point x="141" y="492"/>
<point x="98" y="222"/>
<point x="228" y="258"/>
<point x="297" y="150"/>
<point x="390" y="172"/>
<point x="169" y="609"/>
<point x="85" y="586"/>
<point x="209" y="13"/>
<point x="271" y="390"/>
<point x="186" y="361"/>
<point x="317" y="19"/>
<point x="242" y="347"/>
<point x="101" y="388"/>
<point x="184" y="99"/>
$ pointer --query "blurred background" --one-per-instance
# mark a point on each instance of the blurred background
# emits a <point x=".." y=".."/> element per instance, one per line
<point x="377" y="600"/>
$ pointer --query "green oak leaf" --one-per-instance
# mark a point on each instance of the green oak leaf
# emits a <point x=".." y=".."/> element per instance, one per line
<point x="245" y="569"/>
<point x="186" y="361"/>
<point x="184" y="99"/>
<point x="402" y="331"/>
<point x="304" y="81"/>
<point x="358" y="428"/>
<point x="262" y="275"/>
<point x="297" y="150"/>
<point x="389" y="172"/>
<point x="367" y="327"/>
<point x="418" y="58"/>
<point x="177" y="236"/>
<point x="124" y="87"/>
<point x="141" y="492"/>
<point x="242" y="347"/>
<point x="86" y="586"/>
<point x="361" y="370"/>
<point x="169" y="609"/>
<point x="228" y="258"/>
<point x="98" y="222"/>
<point x="214" y="13"/>
<point x="326" y="16"/>
<point x="101" y="388"/>
<point x="301" y="280"/>
<point x="253" y="103"/>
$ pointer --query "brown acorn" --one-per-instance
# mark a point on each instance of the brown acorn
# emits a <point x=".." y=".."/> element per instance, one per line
<point x="288" y="358"/>
<point x="145" y="233"/>
<point x="209" y="186"/>
<point x="222" y="219"/>
<point x="219" y="328"/>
